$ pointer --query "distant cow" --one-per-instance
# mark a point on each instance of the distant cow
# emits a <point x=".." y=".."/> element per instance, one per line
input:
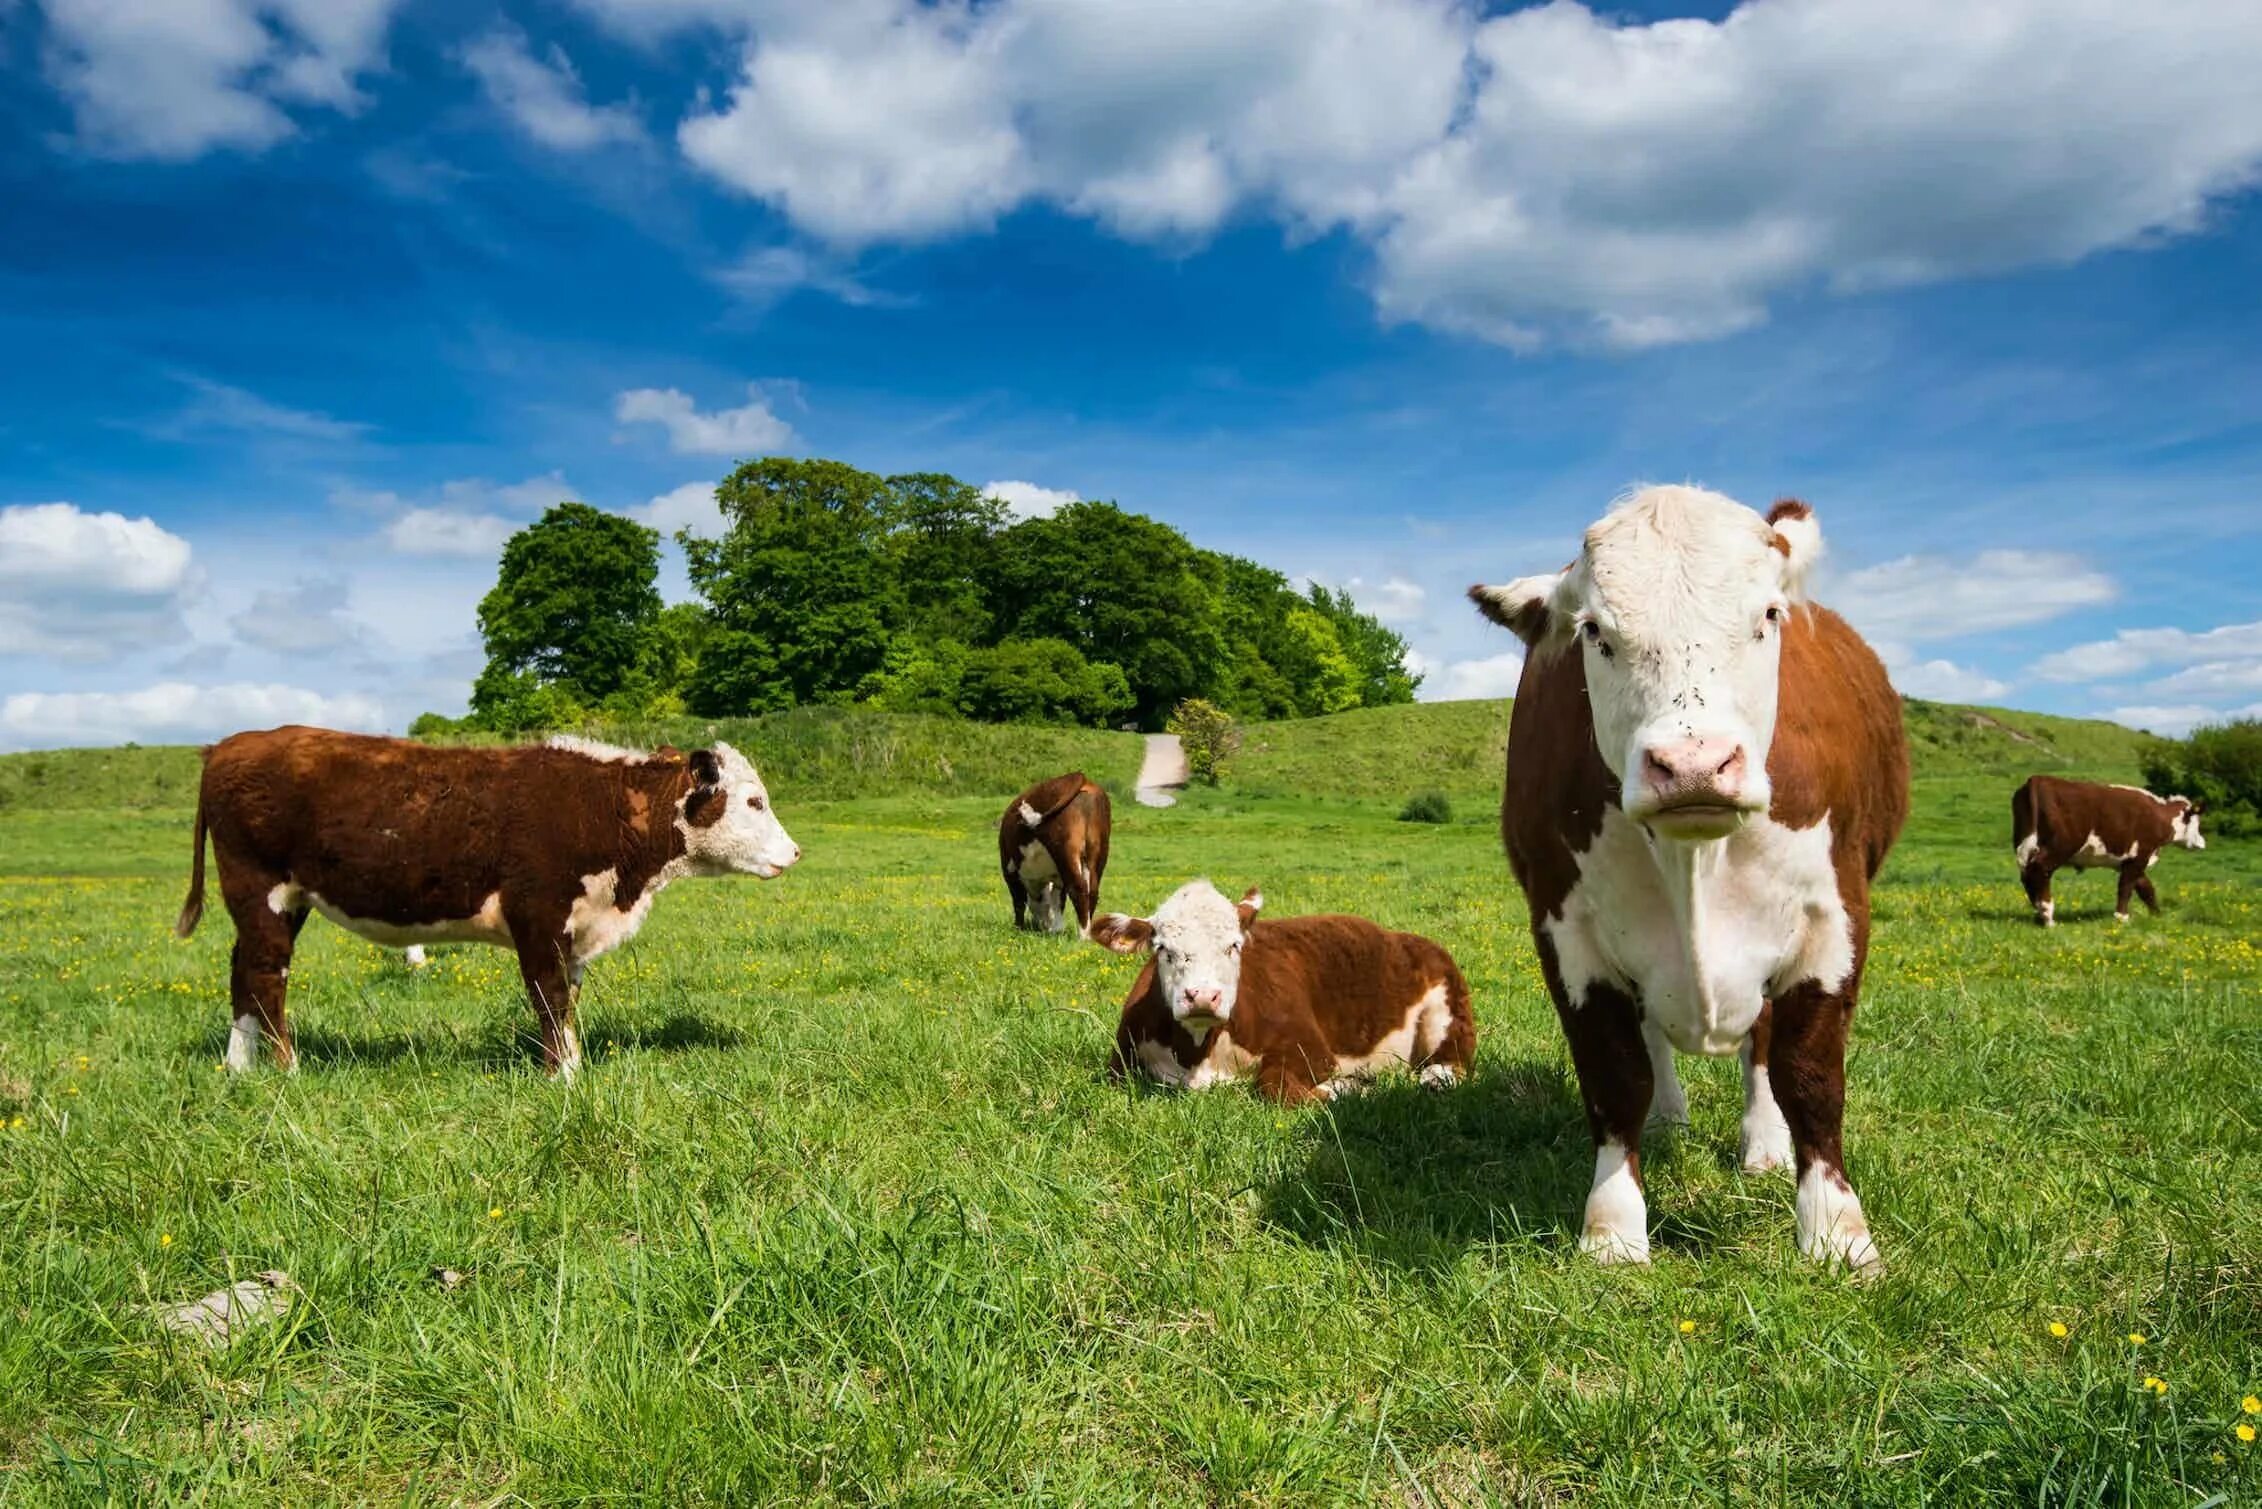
<point x="2058" y="823"/>
<point x="1704" y="775"/>
<point x="1052" y="846"/>
<point x="553" y="850"/>
<point x="1308" y="1006"/>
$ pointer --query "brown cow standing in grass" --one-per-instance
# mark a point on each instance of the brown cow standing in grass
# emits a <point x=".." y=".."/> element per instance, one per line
<point x="1052" y="847"/>
<point x="1704" y="775"/>
<point x="1311" y="1007"/>
<point x="553" y="850"/>
<point x="2056" y="824"/>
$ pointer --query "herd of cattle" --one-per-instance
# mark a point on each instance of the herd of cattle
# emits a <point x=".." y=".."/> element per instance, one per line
<point x="1707" y="774"/>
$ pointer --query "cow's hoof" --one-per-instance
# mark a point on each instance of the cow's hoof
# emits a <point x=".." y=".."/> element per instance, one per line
<point x="1763" y="1155"/>
<point x="1611" y="1247"/>
<point x="1853" y="1253"/>
<point x="1438" y="1076"/>
<point x="2120" y="916"/>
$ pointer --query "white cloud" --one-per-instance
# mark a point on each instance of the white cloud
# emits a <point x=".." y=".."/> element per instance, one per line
<point x="769" y="273"/>
<point x="2177" y="720"/>
<point x="1546" y="173"/>
<point x="2133" y="651"/>
<point x="1462" y="680"/>
<point x="307" y="618"/>
<point x="448" y="531"/>
<point x="544" y="96"/>
<point x="691" y="506"/>
<point x="1393" y="600"/>
<point x="89" y="586"/>
<point x="173" y="79"/>
<point x="1026" y="500"/>
<point x="218" y="406"/>
<point x="174" y="712"/>
<point x="1919" y="598"/>
<point x="1942" y="680"/>
<point x="741" y="431"/>
<point x="469" y="517"/>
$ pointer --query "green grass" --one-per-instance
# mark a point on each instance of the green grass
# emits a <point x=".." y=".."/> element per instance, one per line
<point x="844" y="1210"/>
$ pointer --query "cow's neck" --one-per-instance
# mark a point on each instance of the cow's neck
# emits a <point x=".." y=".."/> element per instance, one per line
<point x="1690" y="870"/>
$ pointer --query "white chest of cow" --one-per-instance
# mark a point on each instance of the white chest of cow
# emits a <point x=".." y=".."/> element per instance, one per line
<point x="1702" y="934"/>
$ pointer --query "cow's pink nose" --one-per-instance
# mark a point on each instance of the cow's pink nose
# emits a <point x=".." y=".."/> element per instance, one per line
<point x="1695" y="770"/>
<point x="1207" y="998"/>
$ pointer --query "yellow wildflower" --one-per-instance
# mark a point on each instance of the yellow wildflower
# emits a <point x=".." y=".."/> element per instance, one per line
<point x="2251" y="1405"/>
<point x="1688" y="1328"/>
<point x="2245" y="1432"/>
<point x="2157" y="1385"/>
<point x="494" y="1213"/>
<point x="2058" y="1329"/>
<point x="164" y="1239"/>
<point x="2136" y="1338"/>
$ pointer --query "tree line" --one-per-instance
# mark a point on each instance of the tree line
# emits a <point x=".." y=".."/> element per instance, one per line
<point x="916" y="593"/>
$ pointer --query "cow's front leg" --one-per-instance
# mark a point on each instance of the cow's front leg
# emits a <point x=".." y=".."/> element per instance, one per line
<point x="2036" y="878"/>
<point x="1807" y="1067"/>
<point x="544" y="964"/>
<point x="1020" y="895"/>
<point x="1767" y="1137"/>
<point x="1615" y="1080"/>
<point x="2132" y="876"/>
<point x="2147" y="895"/>
<point x="1669" y="1103"/>
<point x="1292" y="1073"/>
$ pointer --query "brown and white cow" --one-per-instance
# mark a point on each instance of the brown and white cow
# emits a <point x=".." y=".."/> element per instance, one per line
<point x="553" y="850"/>
<point x="2057" y="823"/>
<point x="1052" y="847"/>
<point x="1704" y="774"/>
<point x="1310" y="1007"/>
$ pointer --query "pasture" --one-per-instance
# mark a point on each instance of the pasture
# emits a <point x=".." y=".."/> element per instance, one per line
<point x="844" y="1209"/>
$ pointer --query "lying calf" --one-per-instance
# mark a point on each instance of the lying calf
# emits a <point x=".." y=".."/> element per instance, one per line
<point x="1312" y="1006"/>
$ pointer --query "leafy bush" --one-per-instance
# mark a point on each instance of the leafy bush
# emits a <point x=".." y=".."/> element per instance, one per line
<point x="1208" y="735"/>
<point x="1426" y="807"/>
<point x="1041" y="681"/>
<point x="2219" y="766"/>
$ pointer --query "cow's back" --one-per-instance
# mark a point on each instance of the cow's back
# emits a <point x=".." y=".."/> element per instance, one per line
<point x="2062" y="816"/>
<point x="1356" y="977"/>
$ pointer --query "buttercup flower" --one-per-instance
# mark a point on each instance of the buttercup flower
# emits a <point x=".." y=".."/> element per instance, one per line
<point x="2058" y="1329"/>
<point x="1688" y="1328"/>
<point x="2246" y="1433"/>
<point x="164" y="1239"/>
<point x="2136" y="1338"/>
<point x="2157" y="1385"/>
<point x="494" y="1213"/>
<point x="2251" y="1405"/>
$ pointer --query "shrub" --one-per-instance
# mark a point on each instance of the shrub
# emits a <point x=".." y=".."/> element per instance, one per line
<point x="2219" y="766"/>
<point x="1426" y="807"/>
<point x="1208" y="735"/>
<point x="1041" y="681"/>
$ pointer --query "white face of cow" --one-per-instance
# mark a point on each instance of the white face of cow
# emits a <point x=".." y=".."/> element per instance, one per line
<point x="727" y="824"/>
<point x="2186" y="825"/>
<point x="1197" y="937"/>
<point x="1677" y="602"/>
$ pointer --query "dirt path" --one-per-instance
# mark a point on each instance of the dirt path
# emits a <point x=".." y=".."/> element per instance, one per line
<point x="1163" y="772"/>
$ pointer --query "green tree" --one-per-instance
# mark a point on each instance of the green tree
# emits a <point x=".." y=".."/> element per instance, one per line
<point x="1122" y="589"/>
<point x="1041" y="681"/>
<point x="577" y="593"/>
<point x="918" y="676"/>
<point x="1378" y="651"/>
<point x="1313" y="661"/>
<point x="801" y="597"/>
<point x="2218" y="766"/>
<point x="942" y="547"/>
<point x="520" y="702"/>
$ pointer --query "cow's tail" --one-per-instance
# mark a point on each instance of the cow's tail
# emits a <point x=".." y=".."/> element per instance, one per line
<point x="2022" y="813"/>
<point x="192" y="910"/>
<point x="1056" y="808"/>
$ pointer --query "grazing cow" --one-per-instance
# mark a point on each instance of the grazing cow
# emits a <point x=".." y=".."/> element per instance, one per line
<point x="554" y="850"/>
<point x="1311" y="1006"/>
<point x="1704" y="774"/>
<point x="2056" y="823"/>
<point x="1052" y="846"/>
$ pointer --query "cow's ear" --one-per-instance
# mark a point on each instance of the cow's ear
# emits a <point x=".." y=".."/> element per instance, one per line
<point x="668" y="754"/>
<point x="1124" y="935"/>
<point x="1251" y="904"/>
<point x="1527" y="608"/>
<point x="1799" y="537"/>
<point x="705" y="768"/>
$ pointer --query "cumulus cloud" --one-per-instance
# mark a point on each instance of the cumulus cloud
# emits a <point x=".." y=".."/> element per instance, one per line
<point x="543" y="96"/>
<point x="1554" y="172"/>
<point x="174" y="712"/>
<point x="2178" y="719"/>
<point x="1920" y="598"/>
<point x="469" y="517"/>
<point x="308" y="617"/>
<point x="1393" y="600"/>
<point x="1026" y="500"/>
<point x="741" y="431"/>
<point x="89" y="586"/>
<point x="1939" y="680"/>
<point x="1462" y="680"/>
<point x="170" y="80"/>
<point x="2135" y="651"/>
<point x="447" y="531"/>
<point x="691" y="506"/>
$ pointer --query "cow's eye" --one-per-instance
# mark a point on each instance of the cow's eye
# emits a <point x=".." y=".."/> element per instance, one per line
<point x="1775" y="613"/>
<point x="1593" y="632"/>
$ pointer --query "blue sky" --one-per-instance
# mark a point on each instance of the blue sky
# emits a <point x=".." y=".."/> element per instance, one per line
<point x="306" y="303"/>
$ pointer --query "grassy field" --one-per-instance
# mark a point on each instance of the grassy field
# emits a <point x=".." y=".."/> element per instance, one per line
<point x="845" y="1211"/>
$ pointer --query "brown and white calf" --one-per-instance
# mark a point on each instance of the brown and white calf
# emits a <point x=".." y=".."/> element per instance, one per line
<point x="2056" y="824"/>
<point x="1307" y="1006"/>
<point x="554" y="851"/>
<point x="1052" y="848"/>
<point x="1704" y="775"/>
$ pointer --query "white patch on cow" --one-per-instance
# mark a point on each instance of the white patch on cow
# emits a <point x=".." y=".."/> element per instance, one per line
<point x="1668" y="1102"/>
<point x="747" y="839"/>
<point x="2184" y="829"/>
<point x="2028" y="847"/>
<point x="2048" y="912"/>
<point x="603" y="753"/>
<point x="285" y="898"/>
<point x="1767" y="1136"/>
<point x="243" y="1043"/>
<point x="1439" y="1076"/>
<point x="2120" y="916"/>
<point x="1030" y="816"/>
<point x="1703" y="933"/>
<point x="1832" y="1228"/>
<point x="1046" y="894"/>
<point x="2093" y="855"/>
<point x="1415" y="1038"/>
<point x="1616" y="1229"/>
<point x="569" y="1052"/>
<point x="1225" y="1062"/>
<point x="596" y="924"/>
<point x="483" y="926"/>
